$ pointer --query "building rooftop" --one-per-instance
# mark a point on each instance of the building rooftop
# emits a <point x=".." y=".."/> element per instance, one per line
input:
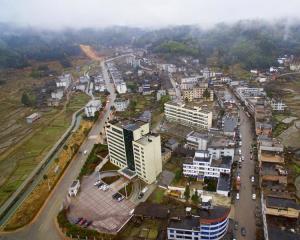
<point x="202" y="156"/>
<point x="224" y="182"/>
<point x="198" y="109"/>
<point x="198" y="217"/>
<point x="220" y="141"/>
<point x="224" y="162"/>
<point x="93" y="103"/>
<point x="151" y="210"/>
<point x="33" y="115"/>
<point x="229" y="123"/>
<point x="282" y="203"/>
<point x="197" y="135"/>
<point x="275" y="233"/>
<point x="188" y="223"/>
<point x="128" y="124"/>
<point x="146" y="116"/>
<point x="147" y="139"/>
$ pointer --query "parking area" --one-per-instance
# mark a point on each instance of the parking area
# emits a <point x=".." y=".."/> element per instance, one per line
<point x="96" y="205"/>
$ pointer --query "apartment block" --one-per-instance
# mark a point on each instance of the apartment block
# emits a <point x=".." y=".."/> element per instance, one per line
<point x="196" y="93"/>
<point x="147" y="157"/>
<point x="193" y="117"/>
<point x="134" y="149"/>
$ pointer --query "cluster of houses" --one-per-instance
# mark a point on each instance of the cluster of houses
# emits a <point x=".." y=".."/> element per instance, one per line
<point x="117" y="78"/>
<point x="62" y="85"/>
<point x="279" y="206"/>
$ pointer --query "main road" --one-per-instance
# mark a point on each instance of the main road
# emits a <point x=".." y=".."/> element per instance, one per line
<point x="245" y="207"/>
<point x="43" y="226"/>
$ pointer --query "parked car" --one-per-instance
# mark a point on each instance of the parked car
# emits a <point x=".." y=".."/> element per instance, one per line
<point x="88" y="223"/>
<point x="252" y="179"/>
<point x="78" y="220"/>
<point x="100" y="185"/>
<point x="237" y="196"/>
<point x="236" y="225"/>
<point x="243" y="158"/>
<point x="105" y="188"/>
<point x="83" y="222"/>
<point x="120" y="198"/>
<point x="97" y="182"/>
<point x="243" y="231"/>
<point x="253" y="196"/>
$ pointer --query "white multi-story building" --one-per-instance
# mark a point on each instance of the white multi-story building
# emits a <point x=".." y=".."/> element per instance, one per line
<point x="57" y="94"/>
<point x="203" y="165"/>
<point x="92" y="107"/>
<point x="121" y="104"/>
<point x="195" y="117"/>
<point x="170" y="68"/>
<point x="197" y="93"/>
<point x="147" y="157"/>
<point x="197" y="141"/>
<point x="190" y="82"/>
<point x="121" y="87"/>
<point x="64" y="81"/>
<point x="132" y="148"/>
<point x="277" y="105"/>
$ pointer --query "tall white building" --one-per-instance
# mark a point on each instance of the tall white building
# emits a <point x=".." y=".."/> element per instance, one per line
<point x="194" y="117"/>
<point x="134" y="149"/>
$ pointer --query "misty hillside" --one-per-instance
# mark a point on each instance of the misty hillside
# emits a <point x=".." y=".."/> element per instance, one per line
<point x="250" y="43"/>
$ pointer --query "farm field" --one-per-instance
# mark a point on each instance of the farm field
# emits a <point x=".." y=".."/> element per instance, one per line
<point x="23" y="145"/>
<point x="288" y="88"/>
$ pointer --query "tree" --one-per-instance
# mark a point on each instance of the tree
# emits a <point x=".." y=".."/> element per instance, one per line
<point x="178" y="175"/>
<point x="187" y="193"/>
<point x="25" y="99"/>
<point x="195" y="198"/>
<point x="206" y="94"/>
<point x="45" y="177"/>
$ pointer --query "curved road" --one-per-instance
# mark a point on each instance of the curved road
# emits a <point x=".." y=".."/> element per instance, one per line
<point x="43" y="226"/>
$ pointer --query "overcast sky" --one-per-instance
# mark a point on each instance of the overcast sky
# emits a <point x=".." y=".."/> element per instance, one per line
<point x="141" y="13"/>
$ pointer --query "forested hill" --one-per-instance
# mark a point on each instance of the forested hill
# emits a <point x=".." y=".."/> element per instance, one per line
<point x="249" y="43"/>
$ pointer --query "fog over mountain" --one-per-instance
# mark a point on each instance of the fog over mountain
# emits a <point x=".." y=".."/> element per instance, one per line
<point x="57" y="14"/>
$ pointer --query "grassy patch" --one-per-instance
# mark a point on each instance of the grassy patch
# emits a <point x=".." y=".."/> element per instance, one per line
<point x="129" y="188"/>
<point x="30" y="207"/>
<point x="210" y="184"/>
<point x="279" y="128"/>
<point x="138" y="104"/>
<point x="109" y="166"/>
<point x="137" y="230"/>
<point x="18" y="164"/>
<point x="157" y="196"/>
<point x="74" y="230"/>
<point x="93" y="160"/>
<point x="110" y="180"/>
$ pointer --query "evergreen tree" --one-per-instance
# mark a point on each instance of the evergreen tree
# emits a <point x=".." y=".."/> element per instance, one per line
<point x="25" y="100"/>
<point x="187" y="193"/>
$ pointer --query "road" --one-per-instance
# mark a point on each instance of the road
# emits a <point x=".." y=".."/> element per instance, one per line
<point x="43" y="227"/>
<point x="245" y="207"/>
<point x="177" y="90"/>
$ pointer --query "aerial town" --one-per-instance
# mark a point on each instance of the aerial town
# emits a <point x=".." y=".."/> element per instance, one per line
<point x="145" y="135"/>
